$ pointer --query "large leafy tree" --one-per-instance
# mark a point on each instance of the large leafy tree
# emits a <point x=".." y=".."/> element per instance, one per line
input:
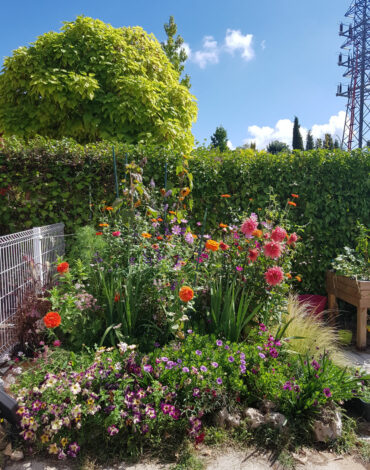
<point x="219" y="139"/>
<point x="92" y="81"/>
<point x="174" y="50"/>
<point x="297" y="143"/>
<point x="276" y="147"/>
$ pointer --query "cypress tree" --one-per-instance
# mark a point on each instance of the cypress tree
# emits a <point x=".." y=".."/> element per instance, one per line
<point x="297" y="137"/>
<point x="309" y="141"/>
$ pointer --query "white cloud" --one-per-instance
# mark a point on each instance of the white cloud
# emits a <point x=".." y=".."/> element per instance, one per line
<point x="283" y="131"/>
<point x="235" y="40"/>
<point x="263" y="44"/>
<point x="209" y="54"/>
<point x="187" y="49"/>
<point x="230" y="145"/>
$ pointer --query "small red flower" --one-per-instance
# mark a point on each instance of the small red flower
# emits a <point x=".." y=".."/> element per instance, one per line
<point x="52" y="319"/>
<point x="200" y="438"/>
<point x="63" y="267"/>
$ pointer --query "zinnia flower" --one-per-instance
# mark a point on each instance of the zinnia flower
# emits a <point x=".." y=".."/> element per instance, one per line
<point x="292" y="238"/>
<point x="52" y="319"/>
<point x="116" y="234"/>
<point x="99" y="233"/>
<point x="225" y="195"/>
<point x="272" y="250"/>
<point x="146" y="235"/>
<point x="63" y="267"/>
<point x="109" y="208"/>
<point x="212" y="245"/>
<point x="253" y="255"/>
<point x="104" y="225"/>
<point x="224" y="246"/>
<point x="223" y="226"/>
<point x="249" y="226"/>
<point x="274" y="275"/>
<point x="278" y="235"/>
<point x="291" y="203"/>
<point x="186" y="293"/>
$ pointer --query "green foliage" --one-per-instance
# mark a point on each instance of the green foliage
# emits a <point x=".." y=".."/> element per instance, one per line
<point x="91" y="82"/>
<point x="297" y="143"/>
<point x="219" y="139"/>
<point x="49" y="181"/>
<point x="309" y="141"/>
<point x="173" y="50"/>
<point x="275" y="147"/>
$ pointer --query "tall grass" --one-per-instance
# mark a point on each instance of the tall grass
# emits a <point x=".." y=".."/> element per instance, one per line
<point x="309" y="334"/>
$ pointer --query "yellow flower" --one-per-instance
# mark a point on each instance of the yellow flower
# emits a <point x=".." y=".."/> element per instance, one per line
<point x="44" y="438"/>
<point x="146" y="235"/>
<point x="53" y="448"/>
<point x="63" y="441"/>
<point x="212" y="245"/>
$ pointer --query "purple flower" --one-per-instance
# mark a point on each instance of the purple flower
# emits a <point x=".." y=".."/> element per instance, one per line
<point x="239" y="268"/>
<point x="231" y="359"/>
<point x="214" y="364"/>
<point x="327" y="392"/>
<point x="259" y="347"/>
<point x="196" y="392"/>
<point x="166" y="408"/>
<point x="164" y="359"/>
<point x="189" y="238"/>
<point x="287" y="386"/>
<point x="176" y="230"/>
<point x="273" y="353"/>
<point x="185" y="369"/>
<point x="263" y="327"/>
<point x="243" y="369"/>
<point x="175" y="414"/>
<point x="198" y="353"/>
<point x="219" y="380"/>
<point x="315" y="365"/>
<point x="261" y="355"/>
<point x="148" y="368"/>
<point x="203" y="368"/>
<point x="190" y="332"/>
<point x="227" y="346"/>
<point x="219" y="342"/>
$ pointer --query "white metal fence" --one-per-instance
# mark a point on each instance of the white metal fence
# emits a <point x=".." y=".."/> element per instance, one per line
<point x="24" y="256"/>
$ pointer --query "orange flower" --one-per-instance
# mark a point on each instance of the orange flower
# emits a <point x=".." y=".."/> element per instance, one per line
<point x="117" y="297"/>
<point x="52" y="319"/>
<point x="194" y="236"/>
<point x="159" y="219"/>
<point x="159" y="237"/>
<point x="154" y="220"/>
<point x="299" y="279"/>
<point x="109" y="208"/>
<point x="104" y="225"/>
<point x="137" y="203"/>
<point x="172" y="212"/>
<point x="288" y="275"/>
<point x="251" y="198"/>
<point x="257" y="233"/>
<point x="155" y="246"/>
<point x="223" y="225"/>
<point x="163" y="191"/>
<point x="212" y="245"/>
<point x="186" y="293"/>
<point x="225" y="195"/>
<point x="259" y="209"/>
<point x="146" y="235"/>
<point x="291" y="203"/>
<point x="63" y="267"/>
<point x="295" y="195"/>
<point x="99" y="233"/>
<point x="185" y="192"/>
<point x="183" y="263"/>
<point x="224" y="246"/>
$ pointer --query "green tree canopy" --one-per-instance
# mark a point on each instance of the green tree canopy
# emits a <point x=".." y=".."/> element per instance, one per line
<point x="219" y="139"/>
<point x="309" y="141"/>
<point x="297" y="137"/>
<point x="92" y="81"/>
<point x="173" y="50"/>
<point x="276" y="146"/>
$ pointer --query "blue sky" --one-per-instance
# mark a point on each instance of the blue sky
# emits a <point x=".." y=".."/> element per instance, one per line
<point x="254" y="64"/>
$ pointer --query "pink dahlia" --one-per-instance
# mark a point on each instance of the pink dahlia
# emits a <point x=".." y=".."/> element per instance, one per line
<point x="279" y="234"/>
<point x="274" y="275"/>
<point x="292" y="239"/>
<point x="272" y="250"/>
<point x="249" y="226"/>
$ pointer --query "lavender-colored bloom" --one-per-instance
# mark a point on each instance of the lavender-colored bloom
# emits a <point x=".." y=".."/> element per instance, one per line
<point x="185" y="369"/>
<point x="168" y="193"/>
<point x="190" y="332"/>
<point x="261" y="355"/>
<point x="243" y="369"/>
<point x="198" y="353"/>
<point x="132" y="260"/>
<point x="260" y="348"/>
<point x="199" y="224"/>
<point x="219" y="342"/>
<point x="176" y="230"/>
<point x="287" y="386"/>
<point x="219" y="380"/>
<point x="203" y="368"/>
<point x="231" y="359"/>
<point x="189" y="238"/>
<point x="164" y="359"/>
<point x="152" y="183"/>
<point x="214" y="364"/>
<point x="227" y="346"/>
<point x="179" y="361"/>
<point x="148" y="368"/>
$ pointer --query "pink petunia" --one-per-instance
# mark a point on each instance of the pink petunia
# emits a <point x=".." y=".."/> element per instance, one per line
<point x="278" y="234"/>
<point x="272" y="250"/>
<point x="274" y="275"/>
<point x="249" y="226"/>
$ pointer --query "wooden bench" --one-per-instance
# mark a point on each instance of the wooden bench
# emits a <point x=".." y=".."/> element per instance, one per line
<point x="355" y="293"/>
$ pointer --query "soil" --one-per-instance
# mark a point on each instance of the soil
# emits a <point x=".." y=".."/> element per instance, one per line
<point x="218" y="460"/>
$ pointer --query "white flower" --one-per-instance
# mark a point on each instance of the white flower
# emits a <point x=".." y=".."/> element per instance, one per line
<point x="17" y="370"/>
<point x="75" y="388"/>
<point x="122" y="347"/>
<point x="117" y="366"/>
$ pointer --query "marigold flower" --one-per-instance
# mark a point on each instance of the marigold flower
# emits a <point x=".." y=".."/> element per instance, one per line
<point x="257" y="233"/>
<point x="272" y="250"/>
<point x="212" y="245"/>
<point x="146" y="235"/>
<point x="249" y="226"/>
<point x="274" y="275"/>
<point x="63" y="267"/>
<point x="99" y="233"/>
<point x="295" y="195"/>
<point x="278" y="234"/>
<point x="186" y="293"/>
<point x="52" y="319"/>
<point x="225" y="195"/>
<point x="104" y="225"/>
<point x="291" y="203"/>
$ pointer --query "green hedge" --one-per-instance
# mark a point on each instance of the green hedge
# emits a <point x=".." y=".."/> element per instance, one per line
<point x="46" y="181"/>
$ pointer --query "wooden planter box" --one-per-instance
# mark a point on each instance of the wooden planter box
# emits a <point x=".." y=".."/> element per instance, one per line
<point x="354" y="292"/>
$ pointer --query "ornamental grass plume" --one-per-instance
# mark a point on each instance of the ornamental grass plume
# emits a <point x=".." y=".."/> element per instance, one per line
<point x="317" y="336"/>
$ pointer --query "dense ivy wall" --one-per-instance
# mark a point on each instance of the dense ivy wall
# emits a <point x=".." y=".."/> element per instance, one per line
<point x="46" y="181"/>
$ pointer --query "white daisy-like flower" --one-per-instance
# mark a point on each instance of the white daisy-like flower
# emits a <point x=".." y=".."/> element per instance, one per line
<point x="75" y="388"/>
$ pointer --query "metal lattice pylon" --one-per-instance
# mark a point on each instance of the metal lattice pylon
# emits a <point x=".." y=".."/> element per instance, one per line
<point x="356" y="60"/>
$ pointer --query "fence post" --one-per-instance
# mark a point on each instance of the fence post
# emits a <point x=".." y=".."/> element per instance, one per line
<point x="37" y="254"/>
